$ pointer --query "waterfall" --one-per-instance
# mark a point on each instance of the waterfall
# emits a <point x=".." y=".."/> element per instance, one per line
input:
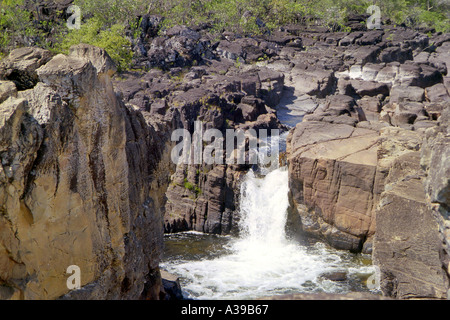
<point x="264" y="204"/>
<point x="262" y="261"/>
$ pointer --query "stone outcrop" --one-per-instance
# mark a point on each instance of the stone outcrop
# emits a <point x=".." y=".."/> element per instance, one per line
<point x="408" y="247"/>
<point x="21" y="64"/>
<point x="82" y="183"/>
<point x="208" y="204"/>
<point x="171" y="286"/>
<point x="368" y="167"/>
<point x="7" y="89"/>
<point x="335" y="183"/>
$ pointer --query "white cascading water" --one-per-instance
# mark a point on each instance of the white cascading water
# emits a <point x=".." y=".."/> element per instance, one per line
<point x="264" y="203"/>
<point x="262" y="261"/>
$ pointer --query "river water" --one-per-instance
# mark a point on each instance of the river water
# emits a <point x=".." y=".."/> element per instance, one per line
<point x="262" y="260"/>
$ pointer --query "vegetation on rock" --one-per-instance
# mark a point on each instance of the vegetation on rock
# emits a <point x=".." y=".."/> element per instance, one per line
<point x="114" y="25"/>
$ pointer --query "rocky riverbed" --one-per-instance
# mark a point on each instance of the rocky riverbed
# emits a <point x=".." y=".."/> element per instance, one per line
<point x="87" y="179"/>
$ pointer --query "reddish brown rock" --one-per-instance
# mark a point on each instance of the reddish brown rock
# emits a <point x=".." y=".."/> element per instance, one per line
<point x="335" y="183"/>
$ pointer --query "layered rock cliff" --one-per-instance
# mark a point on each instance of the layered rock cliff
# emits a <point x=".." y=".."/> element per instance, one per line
<point x="410" y="248"/>
<point x="221" y="94"/>
<point x="334" y="182"/>
<point x="82" y="182"/>
<point x="368" y="166"/>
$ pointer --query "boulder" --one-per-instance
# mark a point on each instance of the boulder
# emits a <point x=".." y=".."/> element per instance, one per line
<point x="407" y="113"/>
<point x="99" y="58"/>
<point x="391" y="54"/>
<point x="370" y="107"/>
<point x="350" y="38"/>
<point x="178" y="47"/>
<point x="434" y="110"/>
<point x="405" y="38"/>
<point x="369" y="88"/>
<point x="335" y="276"/>
<point x="243" y="50"/>
<point x="389" y="73"/>
<point x="371" y="70"/>
<point x="437" y="93"/>
<point x="361" y="55"/>
<point x="441" y="58"/>
<point x="171" y="286"/>
<point x="159" y="107"/>
<point x="21" y="64"/>
<point x="69" y="75"/>
<point x="370" y="38"/>
<point x="340" y="104"/>
<point x="404" y="93"/>
<point x="327" y="164"/>
<point x="312" y="82"/>
<point x="418" y="75"/>
<point x="7" y="89"/>
<point x="272" y="85"/>
<point x="249" y="112"/>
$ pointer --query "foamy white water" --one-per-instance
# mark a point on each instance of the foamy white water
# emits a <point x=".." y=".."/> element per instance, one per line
<point x="262" y="261"/>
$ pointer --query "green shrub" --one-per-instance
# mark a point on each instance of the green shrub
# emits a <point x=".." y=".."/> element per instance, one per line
<point x="105" y="22"/>
<point x="188" y="185"/>
<point x="437" y="20"/>
<point x="229" y="14"/>
<point x="16" y="27"/>
<point x="191" y="187"/>
<point x="113" y="40"/>
<point x="111" y="12"/>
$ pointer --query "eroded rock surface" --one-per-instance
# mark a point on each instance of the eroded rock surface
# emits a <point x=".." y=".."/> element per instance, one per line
<point x="368" y="167"/>
<point x="77" y="191"/>
<point x="408" y="247"/>
<point x="335" y="183"/>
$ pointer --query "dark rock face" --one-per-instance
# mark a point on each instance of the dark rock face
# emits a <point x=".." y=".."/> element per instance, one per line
<point x="335" y="183"/>
<point x="222" y="94"/>
<point x="171" y="286"/>
<point x="210" y="209"/>
<point x="246" y="49"/>
<point x="179" y="48"/>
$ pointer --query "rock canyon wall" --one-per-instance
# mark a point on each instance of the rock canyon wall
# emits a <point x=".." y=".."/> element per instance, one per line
<point x="79" y="181"/>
